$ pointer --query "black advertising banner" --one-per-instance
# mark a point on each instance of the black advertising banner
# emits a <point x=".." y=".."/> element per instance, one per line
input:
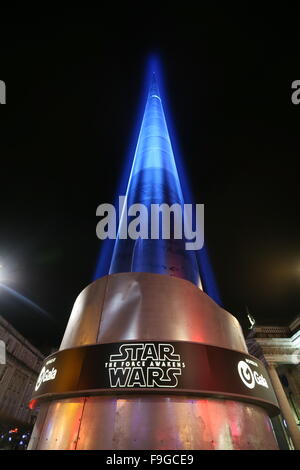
<point x="160" y="367"/>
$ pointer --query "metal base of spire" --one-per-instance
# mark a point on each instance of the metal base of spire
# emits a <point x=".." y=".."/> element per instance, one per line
<point x="144" y="307"/>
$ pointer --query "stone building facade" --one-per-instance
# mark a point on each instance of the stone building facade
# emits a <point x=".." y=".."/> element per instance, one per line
<point x="17" y="377"/>
<point x="279" y="348"/>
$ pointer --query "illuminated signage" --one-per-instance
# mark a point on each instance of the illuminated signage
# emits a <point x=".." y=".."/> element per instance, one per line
<point x="251" y="377"/>
<point x="145" y="365"/>
<point x="46" y="374"/>
<point x="156" y="367"/>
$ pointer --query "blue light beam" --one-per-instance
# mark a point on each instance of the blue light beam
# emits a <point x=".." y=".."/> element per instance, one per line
<point x="154" y="179"/>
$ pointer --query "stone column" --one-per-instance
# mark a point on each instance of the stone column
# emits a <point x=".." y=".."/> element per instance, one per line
<point x="293" y="375"/>
<point x="285" y="407"/>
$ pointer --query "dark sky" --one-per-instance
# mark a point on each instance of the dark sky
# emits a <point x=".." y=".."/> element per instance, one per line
<point x="74" y="82"/>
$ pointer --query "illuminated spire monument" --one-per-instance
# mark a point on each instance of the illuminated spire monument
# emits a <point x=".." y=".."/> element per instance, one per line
<point x="154" y="180"/>
<point x="148" y="360"/>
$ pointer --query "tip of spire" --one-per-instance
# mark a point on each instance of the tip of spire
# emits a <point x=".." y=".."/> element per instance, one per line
<point x="154" y="91"/>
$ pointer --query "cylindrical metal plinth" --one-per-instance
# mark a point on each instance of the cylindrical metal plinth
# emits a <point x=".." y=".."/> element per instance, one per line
<point x="143" y="307"/>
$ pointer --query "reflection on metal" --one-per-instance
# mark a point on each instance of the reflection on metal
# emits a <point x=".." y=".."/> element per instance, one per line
<point x="158" y="422"/>
<point x="85" y="318"/>
<point x="58" y="424"/>
<point x="142" y="306"/>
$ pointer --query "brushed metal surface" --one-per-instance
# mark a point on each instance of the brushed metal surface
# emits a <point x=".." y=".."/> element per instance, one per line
<point x="155" y="422"/>
<point x="61" y="425"/>
<point x="38" y="427"/>
<point x="85" y="317"/>
<point x="142" y="306"/>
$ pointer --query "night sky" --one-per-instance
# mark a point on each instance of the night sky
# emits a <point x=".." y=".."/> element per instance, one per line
<point x="74" y="84"/>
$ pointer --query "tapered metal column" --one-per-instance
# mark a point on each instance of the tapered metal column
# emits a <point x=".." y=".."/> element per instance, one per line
<point x="151" y="301"/>
<point x="144" y="307"/>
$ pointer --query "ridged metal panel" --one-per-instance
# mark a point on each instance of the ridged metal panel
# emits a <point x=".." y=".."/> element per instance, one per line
<point x="38" y="427"/>
<point x="60" y="429"/>
<point x="155" y="422"/>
